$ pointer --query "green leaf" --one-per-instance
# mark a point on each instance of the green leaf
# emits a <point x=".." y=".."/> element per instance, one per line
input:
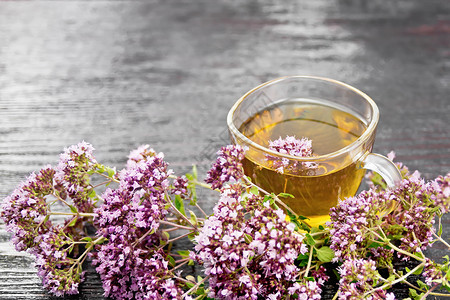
<point x="303" y="256"/>
<point x="300" y="217"/>
<point x="303" y="263"/>
<point x="201" y="292"/>
<point x="374" y="245"/>
<point x="391" y="278"/>
<point x="73" y="209"/>
<point x="422" y="285"/>
<point x="92" y="194"/>
<point x="86" y="239"/>
<point x="193" y="218"/>
<point x="111" y="172"/>
<point x="285" y="195"/>
<point x="267" y="198"/>
<point x="416" y="272"/>
<point x="73" y="222"/>
<point x="184" y="253"/>
<point x="179" y="204"/>
<point x="70" y="249"/>
<point x="248" y="238"/>
<point x="171" y="261"/>
<point x="446" y="286"/>
<point x="254" y="190"/>
<point x="189" y="284"/>
<point x="315" y="229"/>
<point x="194" y="172"/>
<point x="413" y="294"/>
<point x="310" y="240"/>
<point x="100" y="169"/>
<point x="305" y="227"/>
<point x="325" y="254"/>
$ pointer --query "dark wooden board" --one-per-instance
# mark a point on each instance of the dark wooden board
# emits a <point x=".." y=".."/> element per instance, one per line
<point x="119" y="74"/>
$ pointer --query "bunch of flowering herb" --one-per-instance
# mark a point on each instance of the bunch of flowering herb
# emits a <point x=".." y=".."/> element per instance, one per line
<point x="378" y="226"/>
<point x="32" y="213"/>
<point x="128" y="242"/>
<point x="132" y="263"/>
<point x="250" y="249"/>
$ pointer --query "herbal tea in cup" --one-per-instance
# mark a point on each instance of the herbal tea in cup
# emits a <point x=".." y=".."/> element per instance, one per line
<point x="339" y="123"/>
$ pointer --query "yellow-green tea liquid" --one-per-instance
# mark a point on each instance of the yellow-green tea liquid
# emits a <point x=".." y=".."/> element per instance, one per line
<point x="330" y="129"/>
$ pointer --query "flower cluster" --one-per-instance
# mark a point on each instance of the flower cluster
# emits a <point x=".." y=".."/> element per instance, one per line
<point x="27" y="213"/>
<point x="358" y="276"/>
<point x="27" y="218"/>
<point x="60" y="273"/>
<point x="366" y="232"/>
<point x="441" y="198"/>
<point x="294" y="147"/>
<point x="73" y="171"/>
<point x="413" y="217"/>
<point x="180" y="187"/>
<point x="431" y="273"/>
<point x="131" y="264"/>
<point x="249" y="250"/>
<point x="25" y="210"/>
<point x="227" y="167"/>
<point x="351" y="222"/>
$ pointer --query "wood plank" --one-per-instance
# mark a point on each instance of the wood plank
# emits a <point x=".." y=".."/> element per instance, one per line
<point x="123" y="73"/>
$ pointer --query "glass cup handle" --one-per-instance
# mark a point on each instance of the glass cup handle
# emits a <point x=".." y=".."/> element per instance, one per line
<point x="383" y="166"/>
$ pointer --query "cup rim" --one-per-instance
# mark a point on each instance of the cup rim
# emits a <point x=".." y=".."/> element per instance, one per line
<point x="357" y="143"/>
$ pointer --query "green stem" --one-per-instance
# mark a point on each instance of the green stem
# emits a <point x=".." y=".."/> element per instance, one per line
<point x="106" y="176"/>
<point x="195" y="287"/>
<point x="423" y="291"/>
<point x="401" y="279"/>
<point x="180" y="264"/>
<point x="427" y="293"/>
<point x="178" y="237"/>
<point x="73" y="214"/>
<point x="320" y="232"/>
<point x="199" y="183"/>
<point x="83" y="256"/>
<point x="309" y="261"/>
<point x="175" y="225"/>
<point x="281" y="203"/>
<point x="335" y="296"/>
<point x="441" y="240"/>
<point x="170" y="229"/>
<point x="102" y="183"/>
<point x="178" y="212"/>
<point x="201" y="210"/>
<point x="388" y="243"/>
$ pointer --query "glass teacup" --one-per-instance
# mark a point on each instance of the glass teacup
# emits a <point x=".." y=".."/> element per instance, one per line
<point x="339" y="120"/>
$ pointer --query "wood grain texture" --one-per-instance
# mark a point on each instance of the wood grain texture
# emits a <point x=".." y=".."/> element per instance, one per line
<point x="119" y="74"/>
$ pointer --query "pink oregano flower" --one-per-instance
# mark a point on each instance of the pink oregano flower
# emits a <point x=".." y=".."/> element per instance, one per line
<point x="290" y="145"/>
